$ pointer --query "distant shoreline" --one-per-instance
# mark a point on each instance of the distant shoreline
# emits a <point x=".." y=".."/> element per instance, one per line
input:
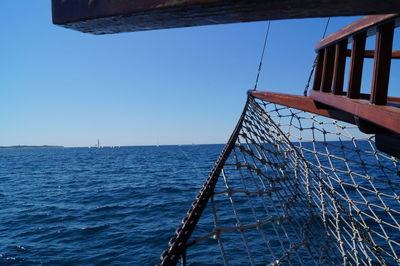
<point x="93" y="147"/>
<point x="29" y="147"/>
<point x="123" y="146"/>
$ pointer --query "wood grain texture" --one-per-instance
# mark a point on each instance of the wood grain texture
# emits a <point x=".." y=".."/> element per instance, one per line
<point x="384" y="116"/>
<point x="318" y="70"/>
<point x="339" y="69"/>
<point x="327" y="70"/>
<point x="114" y="16"/>
<point x="356" y="66"/>
<point x="355" y="28"/>
<point x="382" y="62"/>
<point x="371" y="54"/>
<point x="303" y="103"/>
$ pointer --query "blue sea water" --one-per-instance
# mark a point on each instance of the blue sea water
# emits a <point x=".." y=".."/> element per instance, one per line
<point x="96" y="206"/>
<point x="118" y="206"/>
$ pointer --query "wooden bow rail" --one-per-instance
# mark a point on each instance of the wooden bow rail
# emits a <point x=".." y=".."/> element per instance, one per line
<point x="378" y="108"/>
<point x="374" y="113"/>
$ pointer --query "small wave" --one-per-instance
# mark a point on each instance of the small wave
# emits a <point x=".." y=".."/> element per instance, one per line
<point x="77" y="171"/>
<point x="109" y="207"/>
<point x="12" y="260"/>
<point x="169" y="190"/>
<point x="50" y="173"/>
<point x="94" y="229"/>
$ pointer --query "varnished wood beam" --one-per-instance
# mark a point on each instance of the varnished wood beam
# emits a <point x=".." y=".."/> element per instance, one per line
<point x="382" y="61"/>
<point x="327" y="70"/>
<point x="356" y="66"/>
<point x="371" y="54"/>
<point x="355" y="28"/>
<point x="340" y="65"/>
<point x="381" y="115"/>
<point x="114" y="16"/>
<point x="318" y="70"/>
<point x="303" y="103"/>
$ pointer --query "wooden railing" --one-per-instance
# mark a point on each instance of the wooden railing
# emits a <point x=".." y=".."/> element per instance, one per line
<point x="376" y="110"/>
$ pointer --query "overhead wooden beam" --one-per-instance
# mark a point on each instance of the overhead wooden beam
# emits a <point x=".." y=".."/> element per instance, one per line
<point x="114" y="16"/>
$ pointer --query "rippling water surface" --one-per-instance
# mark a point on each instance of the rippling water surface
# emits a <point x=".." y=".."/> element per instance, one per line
<point x="119" y="206"/>
<point x="96" y="206"/>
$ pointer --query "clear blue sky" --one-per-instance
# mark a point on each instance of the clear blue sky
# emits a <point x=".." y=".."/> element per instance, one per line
<point x="176" y="86"/>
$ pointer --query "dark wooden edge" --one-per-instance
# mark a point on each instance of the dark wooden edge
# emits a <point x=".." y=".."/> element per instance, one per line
<point x="382" y="62"/>
<point x="114" y="16"/>
<point x="356" y="27"/>
<point x="389" y="144"/>
<point x="385" y="116"/>
<point x="339" y="67"/>
<point x="328" y="69"/>
<point x="356" y="66"/>
<point x="394" y="99"/>
<point x="303" y="103"/>
<point x="318" y="70"/>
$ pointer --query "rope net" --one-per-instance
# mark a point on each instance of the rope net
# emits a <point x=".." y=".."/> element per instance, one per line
<point x="294" y="188"/>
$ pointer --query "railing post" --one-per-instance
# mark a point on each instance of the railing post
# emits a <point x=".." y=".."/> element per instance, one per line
<point x="356" y="65"/>
<point x="327" y="69"/>
<point x="318" y="70"/>
<point x="340" y="65"/>
<point x="382" y="61"/>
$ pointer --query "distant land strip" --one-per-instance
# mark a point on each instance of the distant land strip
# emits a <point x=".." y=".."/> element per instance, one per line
<point x="29" y="146"/>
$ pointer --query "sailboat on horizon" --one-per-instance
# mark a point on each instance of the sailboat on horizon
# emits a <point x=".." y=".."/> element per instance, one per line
<point x="97" y="144"/>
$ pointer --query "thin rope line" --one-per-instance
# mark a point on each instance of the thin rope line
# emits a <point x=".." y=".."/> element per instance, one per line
<point x="262" y="55"/>
<point x="326" y="27"/>
<point x="315" y="61"/>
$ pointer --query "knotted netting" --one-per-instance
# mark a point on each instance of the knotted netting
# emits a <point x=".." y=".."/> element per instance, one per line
<point x="294" y="188"/>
